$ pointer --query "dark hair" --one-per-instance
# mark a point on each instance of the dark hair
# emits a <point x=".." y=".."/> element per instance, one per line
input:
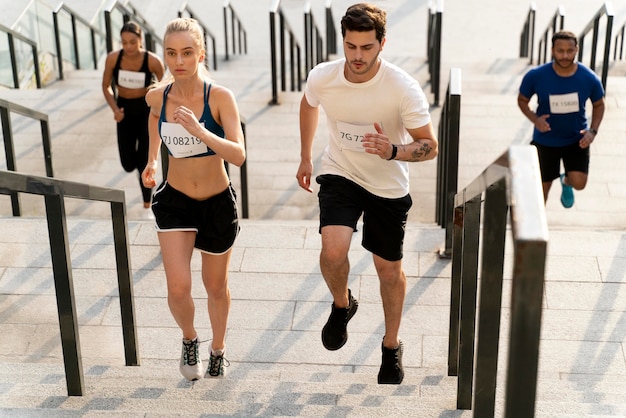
<point x="565" y="35"/>
<point x="131" y="27"/>
<point x="364" y="17"/>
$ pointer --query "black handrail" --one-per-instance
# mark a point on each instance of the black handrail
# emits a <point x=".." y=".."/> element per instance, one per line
<point x="619" y="43"/>
<point x="237" y="31"/>
<point x="294" y="54"/>
<point x="11" y="37"/>
<point x="511" y="184"/>
<point x="557" y="23"/>
<point x="129" y="12"/>
<point x="331" y="32"/>
<point x="186" y="9"/>
<point x="433" y="48"/>
<point x="527" y="37"/>
<point x="74" y="17"/>
<point x="448" y="161"/>
<point x="313" y="42"/>
<point x="593" y="26"/>
<point x="9" y="149"/>
<point x="55" y="192"/>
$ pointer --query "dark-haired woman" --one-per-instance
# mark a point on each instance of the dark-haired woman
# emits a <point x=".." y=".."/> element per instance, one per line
<point x="128" y="73"/>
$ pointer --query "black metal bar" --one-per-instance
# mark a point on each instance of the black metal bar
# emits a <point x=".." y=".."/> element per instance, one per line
<point x="487" y="342"/>
<point x="75" y="38"/>
<point x="47" y="149"/>
<point x="526" y="309"/>
<point x="16" y="80"/>
<point x="9" y="152"/>
<point x="455" y="294"/>
<point x="57" y="38"/>
<point x="124" y="282"/>
<point x="244" y="177"/>
<point x="225" y="15"/>
<point x="469" y="279"/>
<point x="63" y="283"/>
<point x="274" y="100"/>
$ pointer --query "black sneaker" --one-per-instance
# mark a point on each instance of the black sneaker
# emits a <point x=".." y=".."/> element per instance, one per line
<point x="335" y="332"/>
<point x="391" y="372"/>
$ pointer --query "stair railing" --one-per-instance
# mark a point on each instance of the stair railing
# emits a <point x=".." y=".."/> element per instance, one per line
<point x="448" y="161"/>
<point x="511" y="185"/>
<point x="527" y="37"/>
<point x="619" y="44"/>
<point x="557" y="23"/>
<point x="433" y="47"/>
<point x="313" y="42"/>
<point x="6" y="108"/>
<point x="54" y="193"/>
<point x="185" y="11"/>
<point x="238" y="33"/>
<point x="126" y="11"/>
<point x="295" y="64"/>
<point x="76" y="35"/>
<point x="331" y="32"/>
<point x="12" y="37"/>
<point x="594" y="27"/>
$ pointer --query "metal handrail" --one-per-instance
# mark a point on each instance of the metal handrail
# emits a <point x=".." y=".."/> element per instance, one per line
<point x="619" y="43"/>
<point x="294" y="54"/>
<point x="511" y="186"/>
<point x="129" y="12"/>
<point x="447" y="163"/>
<point x="558" y="23"/>
<point x="593" y="26"/>
<point x="433" y="47"/>
<point x="331" y="32"/>
<point x="186" y="9"/>
<point x="55" y="192"/>
<point x="313" y="42"/>
<point x="6" y="108"/>
<point x="237" y="31"/>
<point x="75" y="38"/>
<point x="527" y="37"/>
<point x="12" y="35"/>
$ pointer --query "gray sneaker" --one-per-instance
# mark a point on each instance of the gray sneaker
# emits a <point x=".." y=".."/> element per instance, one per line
<point x="190" y="361"/>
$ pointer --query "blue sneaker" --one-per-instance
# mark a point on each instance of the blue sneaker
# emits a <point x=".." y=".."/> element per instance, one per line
<point x="567" y="195"/>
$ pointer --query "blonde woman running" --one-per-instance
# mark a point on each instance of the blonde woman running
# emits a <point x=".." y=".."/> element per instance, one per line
<point x="195" y="207"/>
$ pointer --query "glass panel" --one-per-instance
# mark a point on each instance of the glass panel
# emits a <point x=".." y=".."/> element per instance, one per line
<point x="6" y="74"/>
<point x="67" y="40"/>
<point x="85" y="52"/>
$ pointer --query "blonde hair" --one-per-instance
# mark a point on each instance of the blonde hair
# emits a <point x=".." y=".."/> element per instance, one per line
<point x="193" y="28"/>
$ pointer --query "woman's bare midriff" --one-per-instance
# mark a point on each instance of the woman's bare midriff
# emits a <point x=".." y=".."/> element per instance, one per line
<point x="189" y="176"/>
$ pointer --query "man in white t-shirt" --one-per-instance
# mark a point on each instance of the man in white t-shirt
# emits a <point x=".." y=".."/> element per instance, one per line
<point x="378" y="122"/>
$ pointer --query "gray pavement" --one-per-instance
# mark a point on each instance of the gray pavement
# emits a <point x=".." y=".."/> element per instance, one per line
<point x="278" y="366"/>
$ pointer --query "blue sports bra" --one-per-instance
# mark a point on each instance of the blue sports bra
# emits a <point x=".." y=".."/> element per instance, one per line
<point x="206" y="118"/>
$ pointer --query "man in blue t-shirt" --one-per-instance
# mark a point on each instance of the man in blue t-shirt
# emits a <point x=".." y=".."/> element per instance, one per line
<point x="563" y="87"/>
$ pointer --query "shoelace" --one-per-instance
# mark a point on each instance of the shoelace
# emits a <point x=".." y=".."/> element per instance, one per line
<point x="217" y="364"/>
<point x="191" y="352"/>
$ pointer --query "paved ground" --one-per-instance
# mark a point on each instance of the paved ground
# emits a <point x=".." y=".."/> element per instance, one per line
<point x="278" y="367"/>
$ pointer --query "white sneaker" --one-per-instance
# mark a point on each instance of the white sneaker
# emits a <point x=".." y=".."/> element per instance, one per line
<point x="190" y="361"/>
<point x="217" y="362"/>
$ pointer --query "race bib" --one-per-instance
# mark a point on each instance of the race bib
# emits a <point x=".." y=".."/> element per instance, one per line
<point x="131" y="79"/>
<point x="564" y="103"/>
<point x="351" y="136"/>
<point x="181" y="143"/>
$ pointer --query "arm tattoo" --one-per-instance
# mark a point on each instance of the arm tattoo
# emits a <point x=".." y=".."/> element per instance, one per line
<point x="423" y="150"/>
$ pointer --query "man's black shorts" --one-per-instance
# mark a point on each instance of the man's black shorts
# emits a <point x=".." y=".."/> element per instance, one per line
<point x="574" y="158"/>
<point x="342" y="202"/>
<point x="214" y="220"/>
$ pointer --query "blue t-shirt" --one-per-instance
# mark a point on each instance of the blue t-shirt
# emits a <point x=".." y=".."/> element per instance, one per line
<point x="563" y="98"/>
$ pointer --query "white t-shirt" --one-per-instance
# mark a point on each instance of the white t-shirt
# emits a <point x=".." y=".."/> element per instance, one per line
<point x="392" y="98"/>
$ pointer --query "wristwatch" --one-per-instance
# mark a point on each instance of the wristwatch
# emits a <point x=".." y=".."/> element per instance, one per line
<point x="593" y="131"/>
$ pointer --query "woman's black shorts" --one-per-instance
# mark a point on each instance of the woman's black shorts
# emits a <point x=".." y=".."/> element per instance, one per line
<point x="214" y="220"/>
